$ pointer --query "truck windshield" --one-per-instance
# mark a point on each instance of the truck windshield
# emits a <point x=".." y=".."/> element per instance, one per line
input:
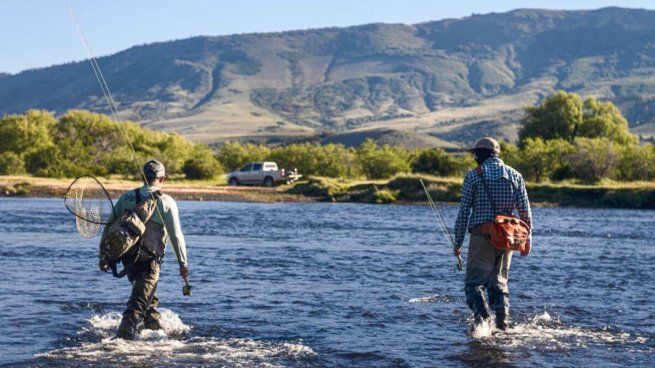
<point x="256" y="167"/>
<point x="246" y="168"/>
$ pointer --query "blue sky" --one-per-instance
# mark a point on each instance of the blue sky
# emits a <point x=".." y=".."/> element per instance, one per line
<point x="38" y="33"/>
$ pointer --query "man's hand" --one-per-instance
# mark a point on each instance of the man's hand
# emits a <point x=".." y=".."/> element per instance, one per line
<point x="104" y="267"/>
<point x="184" y="271"/>
<point x="457" y="251"/>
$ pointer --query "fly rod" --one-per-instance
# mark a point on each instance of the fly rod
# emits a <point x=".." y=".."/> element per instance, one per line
<point x="441" y="223"/>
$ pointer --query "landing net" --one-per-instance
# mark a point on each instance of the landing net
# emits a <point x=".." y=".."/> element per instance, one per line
<point x="88" y="200"/>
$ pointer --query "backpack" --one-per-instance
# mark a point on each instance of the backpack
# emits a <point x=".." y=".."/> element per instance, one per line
<point x="506" y="232"/>
<point x="126" y="232"/>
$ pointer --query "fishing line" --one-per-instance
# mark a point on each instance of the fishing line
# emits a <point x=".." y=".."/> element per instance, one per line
<point x="441" y="222"/>
<point x="122" y="129"/>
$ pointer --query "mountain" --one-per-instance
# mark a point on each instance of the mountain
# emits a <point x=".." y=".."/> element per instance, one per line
<point x="451" y="80"/>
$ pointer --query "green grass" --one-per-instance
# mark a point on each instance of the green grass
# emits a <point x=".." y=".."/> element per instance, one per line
<point x="406" y="188"/>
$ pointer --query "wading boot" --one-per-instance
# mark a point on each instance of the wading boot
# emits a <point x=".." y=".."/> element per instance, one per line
<point x="502" y="319"/>
<point x="130" y="326"/>
<point x="151" y="321"/>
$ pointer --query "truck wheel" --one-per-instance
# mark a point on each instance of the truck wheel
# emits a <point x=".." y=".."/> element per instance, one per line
<point x="234" y="182"/>
<point x="268" y="182"/>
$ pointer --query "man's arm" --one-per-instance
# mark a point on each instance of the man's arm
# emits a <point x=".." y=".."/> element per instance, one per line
<point x="525" y="213"/>
<point x="462" y="222"/>
<point x="172" y="222"/>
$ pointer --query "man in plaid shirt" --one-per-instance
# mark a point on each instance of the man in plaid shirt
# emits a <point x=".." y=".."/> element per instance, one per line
<point x="487" y="267"/>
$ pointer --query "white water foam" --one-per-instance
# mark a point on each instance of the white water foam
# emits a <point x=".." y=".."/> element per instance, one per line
<point x="543" y="332"/>
<point x="436" y="298"/>
<point x="167" y="347"/>
<point x="482" y="330"/>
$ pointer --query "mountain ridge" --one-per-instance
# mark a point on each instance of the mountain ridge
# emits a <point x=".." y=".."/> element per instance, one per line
<point x="438" y="78"/>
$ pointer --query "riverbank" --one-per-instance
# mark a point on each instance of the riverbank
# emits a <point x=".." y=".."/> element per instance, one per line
<point x="26" y="186"/>
<point x="408" y="189"/>
<point x="400" y="189"/>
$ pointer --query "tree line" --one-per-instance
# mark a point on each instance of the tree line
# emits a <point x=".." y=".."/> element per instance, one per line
<point x="562" y="138"/>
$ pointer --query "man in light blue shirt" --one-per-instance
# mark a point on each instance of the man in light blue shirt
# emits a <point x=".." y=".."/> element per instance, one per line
<point x="144" y="264"/>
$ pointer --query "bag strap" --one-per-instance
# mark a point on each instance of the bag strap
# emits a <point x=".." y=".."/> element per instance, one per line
<point x="154" y="195"/>
<point x="480" y="173"/>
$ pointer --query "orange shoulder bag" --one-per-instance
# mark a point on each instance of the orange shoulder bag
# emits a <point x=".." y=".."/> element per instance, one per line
<point x="506" y="232"/>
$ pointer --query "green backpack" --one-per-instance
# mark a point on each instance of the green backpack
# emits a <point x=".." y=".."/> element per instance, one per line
<point x="125" y="232"/>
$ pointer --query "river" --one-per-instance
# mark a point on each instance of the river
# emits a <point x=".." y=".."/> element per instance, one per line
<point x="329" y="285"/>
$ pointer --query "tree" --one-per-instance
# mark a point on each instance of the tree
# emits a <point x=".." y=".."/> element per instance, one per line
<point x="558" y="116"/>
<point x="604" y="120"/>
<point x="11" y="164"/>
<point x="202" y="164"/>
<point x="636" y="163"/>
<point x="593" y="159"/>
<point x="234" y="155"/>
<point x="26" y="133"/>
<point x="437" y="162"/>
<point x="541" y="159"/>
<point x="331" y="160"/>
<point x="564" y="115"/>
<point x="382" y="162"/>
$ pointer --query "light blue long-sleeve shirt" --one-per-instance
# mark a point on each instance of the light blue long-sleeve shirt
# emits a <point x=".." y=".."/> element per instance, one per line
<point x="166" y="214"/>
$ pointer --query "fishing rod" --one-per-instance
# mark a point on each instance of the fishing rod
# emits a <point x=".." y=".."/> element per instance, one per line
<point x="122" y="128"/>
<point x="441" y="223"/>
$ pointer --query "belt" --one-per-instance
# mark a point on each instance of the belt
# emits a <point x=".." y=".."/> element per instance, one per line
<point x="482" y="229"/>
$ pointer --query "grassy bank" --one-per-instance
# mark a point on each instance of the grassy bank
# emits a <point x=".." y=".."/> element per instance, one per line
<point x="208" y="190"/>
<point x="400" y="189"/>
<point x="407" y="189"/>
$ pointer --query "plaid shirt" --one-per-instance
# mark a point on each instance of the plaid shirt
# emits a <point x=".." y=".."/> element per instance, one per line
<point x="509" y="195"/>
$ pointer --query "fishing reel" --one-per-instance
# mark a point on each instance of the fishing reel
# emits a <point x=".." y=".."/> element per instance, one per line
<point x="186" y="289"/>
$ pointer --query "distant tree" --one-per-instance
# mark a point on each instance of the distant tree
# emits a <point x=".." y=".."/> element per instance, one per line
<point x="11" y="164"/>
<point x="26" y="133"/>
<point x="234" y="155"/>
<point x="437" y="162"/>
<point x="541" y="159"/>
<point x="636" y="163"/>
<point x="558" y="116"/>
<point x="593" y="159"/>
<point x="331" y="160"/>
<point x="382" y="162"/>
<point x="202" y="164"/>
<point x="564" y="115"/>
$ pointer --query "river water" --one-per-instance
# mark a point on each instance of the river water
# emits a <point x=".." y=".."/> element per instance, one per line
<point x="329" y="285"/>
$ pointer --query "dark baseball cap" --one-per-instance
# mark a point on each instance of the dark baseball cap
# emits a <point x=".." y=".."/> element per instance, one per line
<point x="154" y="169"/>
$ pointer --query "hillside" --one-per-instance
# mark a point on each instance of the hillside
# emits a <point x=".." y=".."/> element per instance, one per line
<point x="449" y="80"/>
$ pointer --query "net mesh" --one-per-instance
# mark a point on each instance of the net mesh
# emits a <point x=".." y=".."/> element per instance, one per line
<point x="88" y="200"/>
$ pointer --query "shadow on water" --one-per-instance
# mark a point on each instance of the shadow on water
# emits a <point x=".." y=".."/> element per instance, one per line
<point x="484" y="354"/>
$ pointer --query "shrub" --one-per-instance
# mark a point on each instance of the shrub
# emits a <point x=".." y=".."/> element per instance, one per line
<point x="593" y="159"/>
<point x="382" y="162"/>
<point x="11" y="164"/>
<point x="436" y="161"/>
<point x="202" y="164"/>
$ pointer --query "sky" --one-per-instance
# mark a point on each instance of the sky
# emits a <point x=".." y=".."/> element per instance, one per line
<point x="38" y="33"/>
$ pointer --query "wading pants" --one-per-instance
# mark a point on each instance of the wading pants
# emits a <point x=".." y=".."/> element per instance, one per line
<point x="487" y="270"/>
<point x="141" y="307"/>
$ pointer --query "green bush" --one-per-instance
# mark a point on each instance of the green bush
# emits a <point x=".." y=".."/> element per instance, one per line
<point x="202" y="164"/>
<point x="636" y="163"/>
<point x="11" y="164"/>
<point x="564" y="115"/>
<point x="436" y="161"/>
<point x="593" y="159"/>
<point x="233" y="155"/>
<point x="382" y="162"/>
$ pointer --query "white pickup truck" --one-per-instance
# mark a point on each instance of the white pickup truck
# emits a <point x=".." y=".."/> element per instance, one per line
<point x="262" y="173"/>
